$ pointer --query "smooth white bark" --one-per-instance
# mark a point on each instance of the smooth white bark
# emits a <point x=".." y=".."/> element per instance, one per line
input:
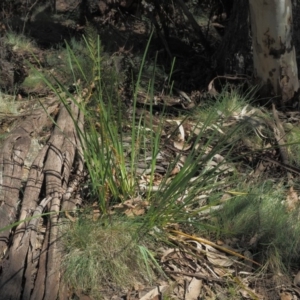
<point x="273" y="50"/>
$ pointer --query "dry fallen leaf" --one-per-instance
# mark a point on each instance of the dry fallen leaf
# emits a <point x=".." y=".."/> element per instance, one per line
<point x="155" y="293"/>
<point x="248" y="262"/>
<point x="286" y="296"/>
<point x="194" y="289"/>
<point x="222" y="272"/>
<point x="219" y="259"/>
<point x="176" y="170"/>
<point x="132" y="207"/>
<point x="182" y="145"/>
<point x="297" y="279"/>
<point x="291" y="199"/>
<point x="96" y="214"/>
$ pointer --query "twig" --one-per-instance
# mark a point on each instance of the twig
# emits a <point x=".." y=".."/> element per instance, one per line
<point x="197" y="275"/>
<point x="27" y="15"/>
<point x="288" y="167"/>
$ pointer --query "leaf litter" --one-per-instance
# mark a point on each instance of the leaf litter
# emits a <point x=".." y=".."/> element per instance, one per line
<point x="201" y="268"/>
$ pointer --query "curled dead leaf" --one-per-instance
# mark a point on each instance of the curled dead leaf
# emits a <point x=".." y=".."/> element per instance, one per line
<point x="194" y="289"/>
<point x="291" y="199"/>
<point x="286" y="296"/>
<point x="183" y="146"/>
<point x="155" y="293"/>
<point x="219" y="259"/>
<point x="175" y="170"/>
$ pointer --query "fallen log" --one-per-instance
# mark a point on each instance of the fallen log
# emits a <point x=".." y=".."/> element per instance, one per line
<point x="30" y="253"/>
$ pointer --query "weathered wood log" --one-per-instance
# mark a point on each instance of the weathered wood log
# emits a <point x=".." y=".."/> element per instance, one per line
<point x="29" y="271"/>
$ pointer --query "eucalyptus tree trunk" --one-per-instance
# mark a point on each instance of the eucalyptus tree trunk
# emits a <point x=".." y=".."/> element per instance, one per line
<point x="274" y="55"/>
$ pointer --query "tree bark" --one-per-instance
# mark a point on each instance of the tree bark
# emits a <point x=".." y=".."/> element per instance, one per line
<point x="30" y="253"/>
<point x="274" y="56"/>
<point x="233" y="56"/>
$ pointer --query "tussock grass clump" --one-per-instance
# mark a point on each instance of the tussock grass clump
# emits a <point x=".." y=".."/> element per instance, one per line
<point x="114" y="145"/>
<point x="100" y="255"/>
<point x="8" y="104"/>
<point x="260" y="219"/>
<point x="69" y="64"/>
<point x="20" y="42"/>
<point x="33" y="83"/>
<point x="293" y="145"/>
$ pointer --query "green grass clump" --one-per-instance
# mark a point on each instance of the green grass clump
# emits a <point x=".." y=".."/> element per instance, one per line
<point x="114" y="144"/>
<point x="33" y="83"/>
<point x="8" y="104"/>
<point x="61" y="60"/>
<point x="260" y="214"/>
<point x="20" y="42"/>
<point x="99" y="255"/>
<point x="112" y="167"/>
<point x="293" y="145"/>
